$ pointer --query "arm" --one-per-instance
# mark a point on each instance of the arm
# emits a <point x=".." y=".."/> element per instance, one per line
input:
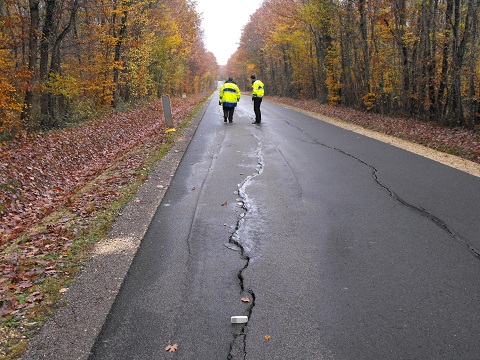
<point x="220" y="94"/>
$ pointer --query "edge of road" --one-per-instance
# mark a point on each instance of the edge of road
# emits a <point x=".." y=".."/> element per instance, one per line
<point x="74" y="327"/>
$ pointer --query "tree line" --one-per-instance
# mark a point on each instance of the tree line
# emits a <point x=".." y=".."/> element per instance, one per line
<point x="407" y="57"/>
<point x="64" y="61"/>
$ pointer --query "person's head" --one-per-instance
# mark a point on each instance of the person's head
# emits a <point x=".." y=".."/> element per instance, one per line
<point x="230" y="79"/>
<point x="253" y="77"/>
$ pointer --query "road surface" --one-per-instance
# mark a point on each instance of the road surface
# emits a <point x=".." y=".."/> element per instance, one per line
<point x="346" y="248"/>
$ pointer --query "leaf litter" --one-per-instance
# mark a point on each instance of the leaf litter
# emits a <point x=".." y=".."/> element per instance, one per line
<point x="53" y="185"/>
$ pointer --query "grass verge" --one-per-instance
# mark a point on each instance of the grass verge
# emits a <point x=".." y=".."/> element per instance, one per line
<point x="54" y="250"/>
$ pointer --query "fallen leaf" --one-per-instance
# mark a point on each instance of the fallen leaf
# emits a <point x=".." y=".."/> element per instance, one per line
<point x="63" y="290"/>
<point x="267" y="337"/>
<point x="225" y="203"/>
<point x="171" y="348"/>
<point x="246" y="299"/>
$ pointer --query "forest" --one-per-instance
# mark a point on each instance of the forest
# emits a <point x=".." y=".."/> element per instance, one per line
<point x="411" y="58"/>
<point x="67" y="61"/>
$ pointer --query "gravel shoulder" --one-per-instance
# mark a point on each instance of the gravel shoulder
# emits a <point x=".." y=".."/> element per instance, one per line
<point x="71" y="332"/>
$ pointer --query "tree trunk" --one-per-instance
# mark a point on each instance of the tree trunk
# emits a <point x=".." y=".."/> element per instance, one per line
<point x="460" y="44"/>
<point x="364" y="45"/>
<point x="46" y="119"/>
<point x="313" y="72"/>
<point x="432" y="62"/>
<point x="400" y="24"/>
<point x="446" y="50"/>
<point x="473" y="110"/>
<point x="55" y="61"/>
<point x="273" y="77"/>
<point x="117" y="56"/>
<point x="32" y="60"/>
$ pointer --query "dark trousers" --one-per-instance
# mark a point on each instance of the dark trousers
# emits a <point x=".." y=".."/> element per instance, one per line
<point x="228" y="113"/>
<point x="256" y="108"/>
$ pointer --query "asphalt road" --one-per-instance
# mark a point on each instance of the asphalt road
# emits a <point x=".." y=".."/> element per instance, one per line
<point x="347" y="248"/>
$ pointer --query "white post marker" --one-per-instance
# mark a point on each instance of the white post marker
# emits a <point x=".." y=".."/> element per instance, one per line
<point x="239" y="319"/>
<point x="167" y="112"/>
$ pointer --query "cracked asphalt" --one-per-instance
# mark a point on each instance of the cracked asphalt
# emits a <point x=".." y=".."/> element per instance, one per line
<point x="347" y="248"/>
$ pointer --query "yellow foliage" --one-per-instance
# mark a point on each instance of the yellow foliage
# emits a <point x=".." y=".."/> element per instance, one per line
<point x="370" y="100"/>
<point x="133" y="50"/>
<point x="334" y="71"/>
<point x="250" y="68"/>
<point x="410" y="39"/>
<point x="66" y="85"/>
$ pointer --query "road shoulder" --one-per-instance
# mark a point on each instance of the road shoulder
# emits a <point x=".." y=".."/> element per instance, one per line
<point x="71" y="332"/>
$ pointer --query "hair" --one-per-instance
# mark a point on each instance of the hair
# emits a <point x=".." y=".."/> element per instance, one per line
<point x="253" y="76"/>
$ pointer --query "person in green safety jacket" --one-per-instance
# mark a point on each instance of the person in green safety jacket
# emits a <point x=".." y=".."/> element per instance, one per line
<point x="257" y="95"/>
<point x="229" y="96"/>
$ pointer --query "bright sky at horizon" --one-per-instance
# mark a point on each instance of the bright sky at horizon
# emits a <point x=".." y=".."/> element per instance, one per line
<point x="223" y="22"/>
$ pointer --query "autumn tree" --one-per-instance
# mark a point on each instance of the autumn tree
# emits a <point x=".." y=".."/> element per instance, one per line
<point x="415" y="58"/>
<point x="15" y="75"/>
<point x="65" y="61"/>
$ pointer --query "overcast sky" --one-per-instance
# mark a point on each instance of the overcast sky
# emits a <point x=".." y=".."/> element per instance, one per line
<point x="222" y="22"/>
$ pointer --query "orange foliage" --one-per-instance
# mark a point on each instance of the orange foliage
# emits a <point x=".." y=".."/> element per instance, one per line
<point x="119" y="52"/>
<point x="368" y="55"/>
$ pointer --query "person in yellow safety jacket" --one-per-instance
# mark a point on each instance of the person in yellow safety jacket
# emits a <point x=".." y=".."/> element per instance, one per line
<point x="229" y="96"/>
<point x="258" y="91"/>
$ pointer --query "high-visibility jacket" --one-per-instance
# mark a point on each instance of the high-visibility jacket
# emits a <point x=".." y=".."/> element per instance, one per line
<point x="258" y="88"/>
<point x="229" y="94"/>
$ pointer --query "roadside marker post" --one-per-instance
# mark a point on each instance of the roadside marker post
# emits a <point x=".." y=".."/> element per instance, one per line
<point x="167" y="112"/>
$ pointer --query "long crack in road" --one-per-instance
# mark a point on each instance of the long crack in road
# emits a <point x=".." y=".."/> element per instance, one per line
<point x="244" y="247"/>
